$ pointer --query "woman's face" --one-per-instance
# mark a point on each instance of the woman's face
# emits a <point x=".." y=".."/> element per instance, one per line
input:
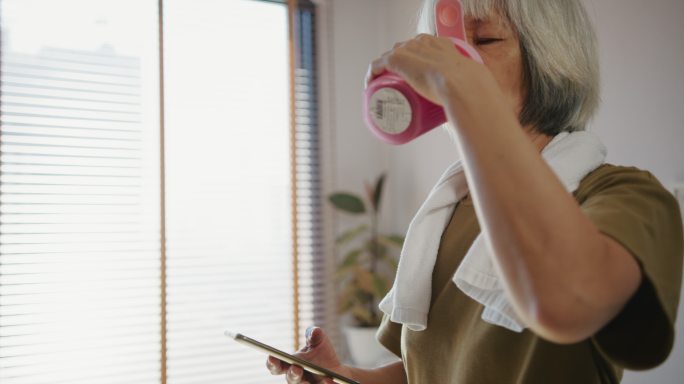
<point x="498" y="45"/>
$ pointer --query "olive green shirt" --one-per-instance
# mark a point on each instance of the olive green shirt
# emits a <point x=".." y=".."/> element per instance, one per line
<point x="458" y="347"/>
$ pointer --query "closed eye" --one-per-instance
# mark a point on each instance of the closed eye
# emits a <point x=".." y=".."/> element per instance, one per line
<point x="486" y="41"/>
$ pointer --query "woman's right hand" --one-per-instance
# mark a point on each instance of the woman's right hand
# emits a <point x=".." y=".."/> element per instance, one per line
<point x="318" y="350"/>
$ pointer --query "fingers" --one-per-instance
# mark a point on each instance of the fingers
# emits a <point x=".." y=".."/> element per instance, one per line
<point x="275" y="366"/>
<point x="295" y="375"/>
<point x="420" y="47"/>
<point x="317" y="349"/>
<point x="314" y="337"/>
<point x="369" y="76"/>
<point x="378" y="67"/>
<point x="310" y="334"/>
<point x="391" y="59"/>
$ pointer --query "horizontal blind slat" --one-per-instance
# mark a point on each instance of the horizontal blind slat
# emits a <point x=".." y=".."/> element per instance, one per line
<point x="79" y="231"/>
<point x="233" y="263"/>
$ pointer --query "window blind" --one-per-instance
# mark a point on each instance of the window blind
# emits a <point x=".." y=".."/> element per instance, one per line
<point x="80" y="253"/>
<point x="229" y="186"/>
<point x="307" y="160"/>
<point x="79" y="233"/>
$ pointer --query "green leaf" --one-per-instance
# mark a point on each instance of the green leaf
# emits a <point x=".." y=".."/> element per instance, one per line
<point x="388" y="257"/>
<point x="364" y="279"/>
<point x="342" y="273"/>
<point x="392" y="240"/>
<point x="351" y="259"/>
<point x="362" y="315"/>
<point x="347" y="299"/>
<point x="351" y="234"/>
<point x="380" y="286"/>
<point x="377" y="193"/>
<point x="391" y="261"/>
<point x="347" y="202"/>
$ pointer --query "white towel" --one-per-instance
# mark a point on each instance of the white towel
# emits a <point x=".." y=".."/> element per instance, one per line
<point x="571" y="155"/>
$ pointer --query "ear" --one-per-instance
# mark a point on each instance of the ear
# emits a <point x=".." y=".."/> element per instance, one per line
<point x="449" y="19"/>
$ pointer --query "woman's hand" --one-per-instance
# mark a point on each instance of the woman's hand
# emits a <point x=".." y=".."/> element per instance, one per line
<point x="318" y="350"/>
<point x="432" y="66"/>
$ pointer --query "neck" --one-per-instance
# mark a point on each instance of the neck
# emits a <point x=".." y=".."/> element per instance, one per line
<point x="539" y="140"/>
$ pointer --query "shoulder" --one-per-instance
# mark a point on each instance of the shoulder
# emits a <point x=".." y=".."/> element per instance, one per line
<point x="624" y="182"/>
<point x="632" y="201"/>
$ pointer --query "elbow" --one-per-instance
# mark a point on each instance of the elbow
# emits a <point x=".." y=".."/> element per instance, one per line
<point x="572" y="315"/>
<point x="560" y="326"/>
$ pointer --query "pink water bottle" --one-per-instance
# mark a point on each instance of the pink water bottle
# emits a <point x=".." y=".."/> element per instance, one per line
<point x="393" y="111"/>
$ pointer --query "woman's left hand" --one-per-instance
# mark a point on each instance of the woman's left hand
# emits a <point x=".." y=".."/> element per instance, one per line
<point x="432" y="66"/>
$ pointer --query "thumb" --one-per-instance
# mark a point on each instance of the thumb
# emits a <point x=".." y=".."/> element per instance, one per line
<point x="314" y="336"/>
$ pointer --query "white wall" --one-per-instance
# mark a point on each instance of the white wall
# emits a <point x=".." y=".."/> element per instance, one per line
<point x="642" y="114"/>
<point x="357" y="29"/>
<point x="351" y="33"/>
<point x="642" y="57"/>
<point x="640" y="120"/>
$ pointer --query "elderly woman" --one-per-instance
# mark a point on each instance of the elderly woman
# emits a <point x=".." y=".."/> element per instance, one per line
<point x="592" y="277"/>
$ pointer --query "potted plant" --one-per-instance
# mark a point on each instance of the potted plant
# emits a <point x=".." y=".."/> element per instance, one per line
<point x="366" y="269"/>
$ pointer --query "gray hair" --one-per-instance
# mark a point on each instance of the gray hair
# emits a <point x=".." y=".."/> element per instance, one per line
<point x="559" y="53"/>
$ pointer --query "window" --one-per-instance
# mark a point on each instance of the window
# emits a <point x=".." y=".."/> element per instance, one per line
<point x="79" y="208"/>
<point x="228" y="185"/>
<point x="86" y="288"/>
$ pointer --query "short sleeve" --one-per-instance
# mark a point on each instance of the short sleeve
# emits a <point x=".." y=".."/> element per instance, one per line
<point x="389" y="335"/>
<point x="632" y="207"/>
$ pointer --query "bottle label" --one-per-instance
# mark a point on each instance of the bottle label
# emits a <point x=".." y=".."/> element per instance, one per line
<point x="390" y="111"/>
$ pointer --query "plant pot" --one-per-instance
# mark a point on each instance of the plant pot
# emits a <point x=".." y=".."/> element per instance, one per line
<point x="365" y="351"/>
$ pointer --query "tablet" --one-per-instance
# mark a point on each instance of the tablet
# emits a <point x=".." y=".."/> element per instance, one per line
<point x="288" y="358"/>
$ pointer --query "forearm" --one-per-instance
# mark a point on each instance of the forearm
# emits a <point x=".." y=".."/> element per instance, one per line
<point x="392" y="373"/>
<point x="552" y="259"/>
